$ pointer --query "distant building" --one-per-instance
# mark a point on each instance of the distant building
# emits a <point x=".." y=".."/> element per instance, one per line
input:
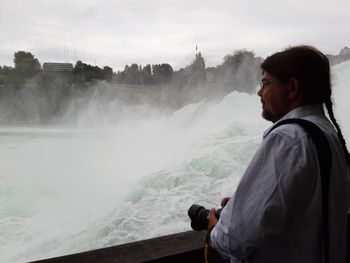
<point x="57" y="67"/>
<point x="345" y="51"/>
<point x="344" y="55"/>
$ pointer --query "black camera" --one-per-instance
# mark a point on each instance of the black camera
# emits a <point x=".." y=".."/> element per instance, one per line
<point x="199" y="217"/>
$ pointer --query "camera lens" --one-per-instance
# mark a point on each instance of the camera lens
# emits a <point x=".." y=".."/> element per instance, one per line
<point x="199" y="217"/>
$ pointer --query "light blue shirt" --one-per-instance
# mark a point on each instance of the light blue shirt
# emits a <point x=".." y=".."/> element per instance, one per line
<point x="275" y="213"/>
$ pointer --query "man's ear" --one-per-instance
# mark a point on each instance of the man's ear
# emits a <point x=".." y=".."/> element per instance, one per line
<point x="294" y="89"/>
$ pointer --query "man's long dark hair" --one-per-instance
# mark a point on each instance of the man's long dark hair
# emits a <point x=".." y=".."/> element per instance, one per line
<point x="311" y="69"/>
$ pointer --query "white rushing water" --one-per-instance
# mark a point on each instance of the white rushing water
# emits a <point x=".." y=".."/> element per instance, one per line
<point x="65" y="190"/>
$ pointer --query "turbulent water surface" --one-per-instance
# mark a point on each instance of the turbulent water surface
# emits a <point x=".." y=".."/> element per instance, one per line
<point x="65" y="190"/>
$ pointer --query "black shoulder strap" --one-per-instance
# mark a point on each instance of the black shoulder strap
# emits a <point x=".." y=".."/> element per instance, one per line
<point x="325" y="163"/>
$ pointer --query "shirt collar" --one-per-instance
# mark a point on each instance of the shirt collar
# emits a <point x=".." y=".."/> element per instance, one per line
<point x="300" y="113"/>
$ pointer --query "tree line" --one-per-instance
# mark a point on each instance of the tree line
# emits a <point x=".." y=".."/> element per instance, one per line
<point x="27" y="67"/>
<point x="149" y="74"/>
<point x="28" y="92"/>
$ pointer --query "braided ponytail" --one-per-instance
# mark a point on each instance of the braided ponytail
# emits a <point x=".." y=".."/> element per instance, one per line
<point x="329" y="107"/>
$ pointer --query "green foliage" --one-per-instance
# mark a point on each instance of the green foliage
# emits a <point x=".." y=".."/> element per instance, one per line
<point x="162" y="73"/>
<point x="193" y="75"/>
<point x="26" y="65"/>
<point x="197" y="70"/>
<point x="6" y="75"/>
<point x="136" y="75"/>
<point x="86" y="73"/>
<point x="107" y="73"/>
<point x="239" y="71"/>
<point x="28" y="73"/>
<point x="147" y="74"/>
<point x="132" y="75"/>
<point x="238" y="58"/>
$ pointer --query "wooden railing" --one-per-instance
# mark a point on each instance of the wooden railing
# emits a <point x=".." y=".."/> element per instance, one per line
<point x="181" y="247"/>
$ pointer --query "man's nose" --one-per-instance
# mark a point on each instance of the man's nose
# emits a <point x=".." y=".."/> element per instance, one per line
<point x="260" y="92"/>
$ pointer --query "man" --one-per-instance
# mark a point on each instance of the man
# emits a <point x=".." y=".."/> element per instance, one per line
<point x="276" y="212"/>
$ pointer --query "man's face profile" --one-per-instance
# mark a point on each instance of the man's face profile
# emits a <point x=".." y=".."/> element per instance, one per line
<point x="274" y="98"/>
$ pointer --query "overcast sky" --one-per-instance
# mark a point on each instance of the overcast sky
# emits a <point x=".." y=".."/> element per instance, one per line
<point x="120" y="32"/>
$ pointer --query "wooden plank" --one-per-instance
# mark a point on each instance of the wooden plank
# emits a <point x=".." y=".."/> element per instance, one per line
<point x="181" y="247"/>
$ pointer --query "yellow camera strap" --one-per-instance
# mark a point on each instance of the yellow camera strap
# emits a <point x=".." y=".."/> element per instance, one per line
<point x="206" y="248"/>
<point x="207" y="244"/>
